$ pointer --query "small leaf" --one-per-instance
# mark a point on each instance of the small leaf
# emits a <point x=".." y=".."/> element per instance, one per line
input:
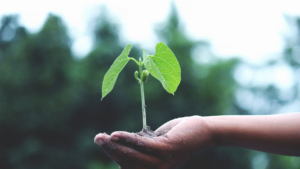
<point x="111" y="75"/>
<point x="136" y="73"/>
<point x="164" y="66"/>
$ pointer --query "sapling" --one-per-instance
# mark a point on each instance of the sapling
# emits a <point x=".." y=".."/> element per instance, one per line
<point x="162" y="65"/>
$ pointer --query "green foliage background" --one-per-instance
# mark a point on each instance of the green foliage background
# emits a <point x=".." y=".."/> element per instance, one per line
<point x="50" y="101"/>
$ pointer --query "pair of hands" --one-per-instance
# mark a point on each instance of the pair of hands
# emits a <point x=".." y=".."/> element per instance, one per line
<point x="177" y="141"/>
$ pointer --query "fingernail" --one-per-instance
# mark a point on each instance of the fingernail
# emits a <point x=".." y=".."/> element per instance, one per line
<point x="114" y="138"/>
<point x="98" y="140"/>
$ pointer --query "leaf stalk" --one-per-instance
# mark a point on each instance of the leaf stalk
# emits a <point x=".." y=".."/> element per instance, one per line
<point x="130" y="58"/>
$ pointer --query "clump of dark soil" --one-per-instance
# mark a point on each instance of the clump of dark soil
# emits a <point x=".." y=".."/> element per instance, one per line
<point x="147" y="132"/>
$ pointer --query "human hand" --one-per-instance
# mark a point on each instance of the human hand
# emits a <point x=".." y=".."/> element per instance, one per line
<point x="177" y="141"/>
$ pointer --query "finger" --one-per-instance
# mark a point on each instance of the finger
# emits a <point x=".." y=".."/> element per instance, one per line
<point x="108" y="147"/>
<point x="100" y="138"/>
<point x="126" y="156"/>
<point x="123" y="155"/>
<point x="167" y="126"/>
<point x="143" y="144"/>
<point x="135" y="159"/>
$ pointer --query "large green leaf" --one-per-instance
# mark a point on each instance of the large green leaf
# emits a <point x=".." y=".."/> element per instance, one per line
<point x="164" y="66"/>
<point x="111" y="75"/>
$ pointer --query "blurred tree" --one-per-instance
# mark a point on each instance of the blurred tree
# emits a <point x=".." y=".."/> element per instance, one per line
<point x="8" y="31"/>
<point x="35" y="97"/>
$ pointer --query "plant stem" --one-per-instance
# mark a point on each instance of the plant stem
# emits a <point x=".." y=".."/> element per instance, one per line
<point x="143" y="98"/>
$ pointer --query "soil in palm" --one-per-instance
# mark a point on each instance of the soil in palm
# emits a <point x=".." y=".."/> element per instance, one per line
<point x="147" y="132"/>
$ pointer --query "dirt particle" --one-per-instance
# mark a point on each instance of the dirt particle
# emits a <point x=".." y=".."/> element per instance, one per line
<point x="127" y="140"/>
<point x="140" y="143"/>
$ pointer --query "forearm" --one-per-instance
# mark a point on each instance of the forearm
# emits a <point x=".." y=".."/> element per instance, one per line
<point x="279" y="134"/>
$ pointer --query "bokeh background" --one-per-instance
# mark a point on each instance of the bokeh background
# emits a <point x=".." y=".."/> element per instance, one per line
<point x="50" y="79"/>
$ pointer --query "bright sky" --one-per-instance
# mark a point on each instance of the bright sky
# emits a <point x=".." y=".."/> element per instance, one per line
<point x="251" y="29"/>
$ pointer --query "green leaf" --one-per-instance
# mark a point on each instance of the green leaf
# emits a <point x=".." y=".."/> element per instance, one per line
<point x="164" y="66"/>
<point x="111" y="75"/>
<point x="145" y="54"/>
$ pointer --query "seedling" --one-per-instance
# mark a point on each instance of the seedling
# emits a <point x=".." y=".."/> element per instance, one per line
<point x="163" y="65"/>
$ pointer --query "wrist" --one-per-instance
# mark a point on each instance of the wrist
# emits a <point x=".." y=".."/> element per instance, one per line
<point x="213" y="126"/>
<point x="208" y="133"/>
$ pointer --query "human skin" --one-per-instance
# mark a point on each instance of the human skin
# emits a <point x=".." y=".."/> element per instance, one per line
<point x="179" y="139"/>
